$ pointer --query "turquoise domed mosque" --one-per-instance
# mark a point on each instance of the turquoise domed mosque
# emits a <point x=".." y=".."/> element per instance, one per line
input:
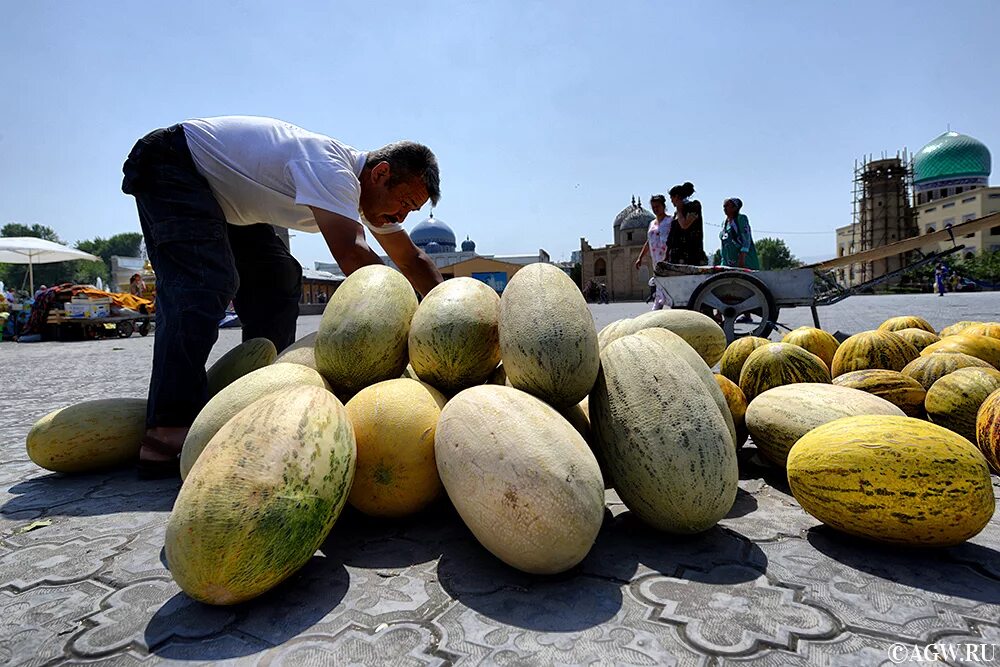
<point x="948" y="165"/>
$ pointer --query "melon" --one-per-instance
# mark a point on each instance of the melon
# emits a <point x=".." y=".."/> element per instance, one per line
<point x="957" y="327"/>
<point x="981" y="347"/>
<point x="454" y="339"/>
<point x="918" y="338"/>
<point x="522" y="478"/>
<point x="662" y="437"/>
<point x="394" y="423"/>
<point x="817" y="341"/>
<point x="362" y="337"/>
<point x="300" y="352"/>
<point x="699" y="330"/>
<point x="731" y="364"/>
<point x="245" y="358"/>
<point x="679" y="346"/>
<point x="777" y="418"/>
<point x="873" y="349"/>
<point x="901" y="390"/>
<point x="906" y="322"/>
<point x="548" y="342"/>
<point x="929" y="369"/>
<point x="262" y="497"/>
<point x="230" y="401"/>
<point x="892" y="479"/>
<point x="988" y="430"/>
<point x="988" y="329"/>
<point x="778" y="364"/>
<point x="953" y="401"/>
<point x="737" y="403"/>
<point x="89" y="436"/>
<point x="613" y="331"/>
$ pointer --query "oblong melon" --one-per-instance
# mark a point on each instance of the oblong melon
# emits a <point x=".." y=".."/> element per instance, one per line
<point x="988" y="430"/>
<point x="662" y="437"/>
<point x="548" y="341"/>
<point x="245" y="358"/>
<point x="699" y="330"/>
<point x="981" y="347"/>
<point x="954" y="400"/>
<point x="930" y="368"/>
<point x="454" y="338"/>
<point x="262" y="497"/>
<point x="731" y="364"/>
<point x="613" y="331"/>
<point x="737" y="407"/>
<point x="230" y="401"/>
<point x="362" y="337"/>
<point x="906" y="322"/>
<point x="989" y="329"/>
<point x="300" y="352"/>
<point x="957" y="327"/>
<point x="777" y="418"/>
<point x="872" y="349"/>
<point x="901" y="390"/>
<point x="918" y="338"/>
<point x="778" y="364"/>
<point x="817" y="341"/>
<point x="521" y="477"/>
<point x="394" y="423"/>
<point x="892" y="479"/>
<point x="88" y="436"/>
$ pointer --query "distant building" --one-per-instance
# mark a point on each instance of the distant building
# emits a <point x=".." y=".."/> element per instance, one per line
<point x="614" y="265"/>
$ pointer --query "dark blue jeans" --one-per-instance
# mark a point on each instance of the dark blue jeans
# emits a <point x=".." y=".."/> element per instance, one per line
<point x="201" y="263"/>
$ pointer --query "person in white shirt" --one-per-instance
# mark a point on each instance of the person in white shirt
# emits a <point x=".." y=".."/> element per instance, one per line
<point x="208" y="191"/>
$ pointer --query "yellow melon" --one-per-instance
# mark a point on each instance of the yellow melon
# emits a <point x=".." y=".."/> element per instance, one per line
<point x="981" y="347"/>
<point x="817" y="341"/>
<point x="954" y="400"/>
<point x="873" y="349"/>
<point x="918" y="338"/>
<point x="906" y="322"/>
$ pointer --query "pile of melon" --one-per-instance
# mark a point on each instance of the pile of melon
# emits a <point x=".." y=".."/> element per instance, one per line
<point x="520" y="413"/>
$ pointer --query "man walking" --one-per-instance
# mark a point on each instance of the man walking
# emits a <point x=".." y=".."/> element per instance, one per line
<point x="208" y="192"/>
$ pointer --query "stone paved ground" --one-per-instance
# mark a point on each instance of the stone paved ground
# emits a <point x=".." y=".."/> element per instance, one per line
<point x="768" y="586"/>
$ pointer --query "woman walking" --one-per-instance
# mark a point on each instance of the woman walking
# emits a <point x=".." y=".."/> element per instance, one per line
<point x="656" y="246"/>
<point x="738" y="248"/>
<point x="686" y="243"/>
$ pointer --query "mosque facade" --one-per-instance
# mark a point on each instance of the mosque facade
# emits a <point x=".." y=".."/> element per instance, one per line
<point x="614" y="264"/>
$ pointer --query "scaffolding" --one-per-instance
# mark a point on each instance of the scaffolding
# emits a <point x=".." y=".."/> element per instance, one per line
<point x="882" y="212"/>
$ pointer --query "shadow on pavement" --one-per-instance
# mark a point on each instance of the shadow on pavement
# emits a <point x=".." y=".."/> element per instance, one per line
<point x="745" y="504"/>
<point x="929" y="569"/>
<point x="93" y="494"/>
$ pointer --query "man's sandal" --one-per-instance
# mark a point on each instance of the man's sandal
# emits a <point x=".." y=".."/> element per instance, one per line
<point x="166" y="462"/>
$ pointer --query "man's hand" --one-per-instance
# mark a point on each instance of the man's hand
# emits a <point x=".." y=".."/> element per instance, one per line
<point x="418" y="268"/>
<point x="346" y="240"/>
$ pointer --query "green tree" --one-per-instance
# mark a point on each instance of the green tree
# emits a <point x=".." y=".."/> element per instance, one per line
<point x="775" y="254"/>
<point x="36" y="230"/>
<point x="576" y="273"/>
<point x="123" y="245"/>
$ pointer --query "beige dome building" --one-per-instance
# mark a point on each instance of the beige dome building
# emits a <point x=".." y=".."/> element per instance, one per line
<point x="614" y="265"/>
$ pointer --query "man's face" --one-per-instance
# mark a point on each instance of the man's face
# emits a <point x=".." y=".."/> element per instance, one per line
<point x="384" y="205"/>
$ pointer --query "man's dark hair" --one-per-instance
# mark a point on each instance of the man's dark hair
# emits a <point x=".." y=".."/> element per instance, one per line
<point x="408" y="160"/>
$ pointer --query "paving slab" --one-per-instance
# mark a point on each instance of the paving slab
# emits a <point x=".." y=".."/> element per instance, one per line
<point x="83" y="579"/>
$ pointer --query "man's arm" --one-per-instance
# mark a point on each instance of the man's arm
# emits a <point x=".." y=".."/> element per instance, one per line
<point x="418" y="268"/>
<point x="346" y="240"/>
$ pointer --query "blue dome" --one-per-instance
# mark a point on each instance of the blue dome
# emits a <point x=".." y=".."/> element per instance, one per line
<point x="434" y="231"/>
<point x="468" y="245"/>
<point x="433" y="247"/>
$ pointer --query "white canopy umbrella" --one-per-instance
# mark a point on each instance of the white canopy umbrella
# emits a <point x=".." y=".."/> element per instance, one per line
<point x="30" y="250"/>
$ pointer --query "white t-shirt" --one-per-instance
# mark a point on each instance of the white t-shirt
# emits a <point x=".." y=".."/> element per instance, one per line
<point x="267" y="170"/>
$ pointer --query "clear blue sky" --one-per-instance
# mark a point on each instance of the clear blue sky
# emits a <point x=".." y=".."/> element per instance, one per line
<point x="545" y="116"/>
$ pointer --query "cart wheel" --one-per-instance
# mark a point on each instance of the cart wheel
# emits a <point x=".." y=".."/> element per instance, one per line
<point x="739" y="302"/>
<point x="144" y="328"/>
<point x="125" y="329"/>
<point x="91" y="332"/>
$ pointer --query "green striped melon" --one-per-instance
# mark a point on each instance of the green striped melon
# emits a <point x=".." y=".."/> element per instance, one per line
<point x="988" y="430"/>
<point x="981" y="347"/>
<point x="454" y="338"/>
<point x="731" y="364"/>
<point x="737" y="403"/>
<point x="680" y="347"/>
<point x="930" y="368"/>
<point x="906" y="322"/>
<point x="778" y="417"/>
<point x="988" y="329"/>
<point x="230" y="401"/>
<point x="892" y="479"/>
<point x="778" y="364"/>
<point x="522" y="478"/>
<point x="362" y="337"/>
<point x="88" y="436"/>
<point x="666" y="445"/>
<point x="262" y="497"/>
<point x="699" y="330"/>
<point x="246" y="357"/>
<point x="957" y="327"/>
<point x="301" y="352"/>
<point x="817" y="341"/>
<point x="918" y="338"/>
<point x="872" y="349"/>
<point x="954" y="400"/>
<point x="903" y="391"/>
<point x="548" y="342"/>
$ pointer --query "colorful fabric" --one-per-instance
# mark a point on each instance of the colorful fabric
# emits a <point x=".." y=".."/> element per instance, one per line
<point x="656" y="238"/>
<point x="737" y="238"/>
